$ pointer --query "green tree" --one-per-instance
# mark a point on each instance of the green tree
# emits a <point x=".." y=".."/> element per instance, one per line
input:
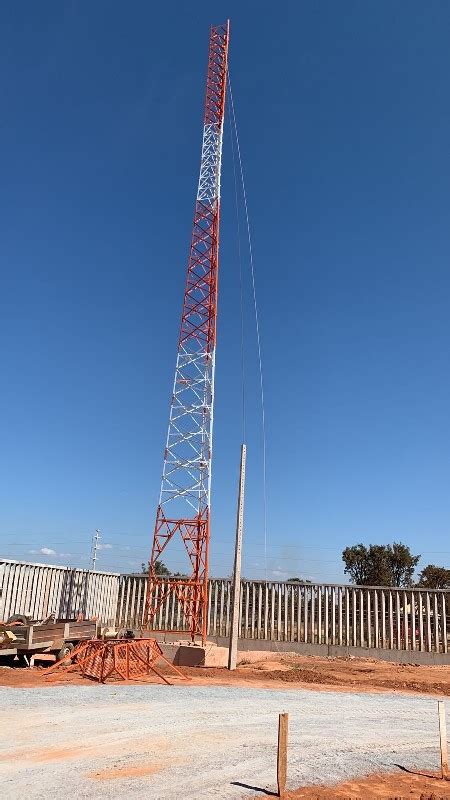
<point x="160" y="569"/>
<point x="367" y="566"/>
<point x="298" y="580"/>
<point x="356" y="560"/>
<point x="433" y="577"/>
<point x="402" y="564"/>
<point x="380" y="565"/>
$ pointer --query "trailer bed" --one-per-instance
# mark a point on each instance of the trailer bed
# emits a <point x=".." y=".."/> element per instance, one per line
<point x="51" y="636"/>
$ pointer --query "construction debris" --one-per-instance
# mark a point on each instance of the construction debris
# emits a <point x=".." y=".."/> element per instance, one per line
<point x="6" y="636"/>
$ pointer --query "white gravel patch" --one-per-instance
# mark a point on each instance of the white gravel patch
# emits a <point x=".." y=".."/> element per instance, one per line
<point x="202" y="741"/>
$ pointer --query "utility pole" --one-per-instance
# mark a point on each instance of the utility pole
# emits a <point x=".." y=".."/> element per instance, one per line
<point x="232" y="651"/>
<point x="94" y="549"/>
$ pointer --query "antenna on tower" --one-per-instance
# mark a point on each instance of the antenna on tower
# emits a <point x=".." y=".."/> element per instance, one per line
<point x="94" y="548"/>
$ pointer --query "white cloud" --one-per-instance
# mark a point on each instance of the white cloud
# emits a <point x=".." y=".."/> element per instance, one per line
<point x="47" y="551"/>
<point x="278" y="573"/>
<point x="104" y="547"/>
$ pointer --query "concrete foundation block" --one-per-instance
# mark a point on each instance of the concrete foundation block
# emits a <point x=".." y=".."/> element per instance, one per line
<point x="216" y="656"/>
<point x="169" y="651"/>
<point x="190" y="656"/>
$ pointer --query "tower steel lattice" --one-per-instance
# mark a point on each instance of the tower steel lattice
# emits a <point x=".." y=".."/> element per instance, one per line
<point x="185" y="496"/>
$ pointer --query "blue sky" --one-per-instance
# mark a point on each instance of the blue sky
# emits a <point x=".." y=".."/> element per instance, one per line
<point x="344" y="123"/>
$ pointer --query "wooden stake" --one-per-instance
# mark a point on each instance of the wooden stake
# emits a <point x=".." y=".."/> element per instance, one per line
<point x="282" y="754"/>
<point x="236" y="585"/>
<point x="443" y="740"/>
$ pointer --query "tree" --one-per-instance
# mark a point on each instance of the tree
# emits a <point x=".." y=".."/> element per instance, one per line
<point x="366" y="566"/>
<point x="356" y="560"/>
<point x="160" y="569"/>
<point x="380" y="564"/>
<point x="298" y="580"/>
<point x="402" y="564"/>
<point x="433" y="577"/>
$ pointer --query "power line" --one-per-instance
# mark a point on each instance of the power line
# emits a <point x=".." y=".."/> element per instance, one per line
<point x="258" y="337"/>
<point x="130" y="548"/>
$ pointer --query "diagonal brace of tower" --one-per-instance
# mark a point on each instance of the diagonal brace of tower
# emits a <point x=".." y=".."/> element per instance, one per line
<point x="185" y="496"/>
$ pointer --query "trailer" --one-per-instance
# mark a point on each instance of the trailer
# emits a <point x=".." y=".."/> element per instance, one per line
<point x="58" y="638"/>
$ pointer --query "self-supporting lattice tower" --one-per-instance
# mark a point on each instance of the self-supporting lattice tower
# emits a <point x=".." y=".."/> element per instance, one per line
<point x="184" y="501"/>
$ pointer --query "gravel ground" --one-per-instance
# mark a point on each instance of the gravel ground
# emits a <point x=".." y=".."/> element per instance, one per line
<point x="161" y="742"/>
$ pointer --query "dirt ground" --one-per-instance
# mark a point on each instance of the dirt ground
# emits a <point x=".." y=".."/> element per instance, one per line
<point x="360" y="721"/>
<point x="349" y="674"/>
<point x="289" y="671"/>
<point x="374" y="787"/>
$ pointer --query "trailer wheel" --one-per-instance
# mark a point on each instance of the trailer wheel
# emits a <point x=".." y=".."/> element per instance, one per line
<point x="65" y="651"/>
<point x="18" y="618"/>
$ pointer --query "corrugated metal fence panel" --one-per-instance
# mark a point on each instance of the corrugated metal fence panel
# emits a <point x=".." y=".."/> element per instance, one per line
<point x="39" y="590"/>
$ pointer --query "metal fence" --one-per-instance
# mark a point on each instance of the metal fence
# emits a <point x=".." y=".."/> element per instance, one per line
<point x="321" y="614"/>
<point x="39" y="590"/>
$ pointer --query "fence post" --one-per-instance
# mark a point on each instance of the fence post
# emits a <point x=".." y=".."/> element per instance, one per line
<point x="443" y="740"/>
<point x="282" y="754"/>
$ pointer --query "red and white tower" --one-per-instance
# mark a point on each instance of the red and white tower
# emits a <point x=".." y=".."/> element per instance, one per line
<point x="185" y="497"/>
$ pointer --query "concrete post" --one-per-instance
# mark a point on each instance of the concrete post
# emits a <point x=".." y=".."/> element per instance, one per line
<point x="236" y="583"/>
